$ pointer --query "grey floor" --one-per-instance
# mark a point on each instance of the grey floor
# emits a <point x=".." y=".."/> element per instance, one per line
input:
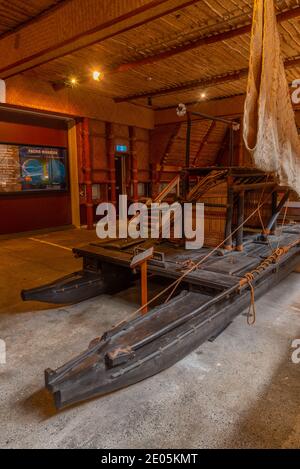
<point x="242" y="390"/>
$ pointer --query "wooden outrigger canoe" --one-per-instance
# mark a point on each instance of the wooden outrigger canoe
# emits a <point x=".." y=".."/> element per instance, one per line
<point x="213" y="295"/>
<point x="216" y="283"/>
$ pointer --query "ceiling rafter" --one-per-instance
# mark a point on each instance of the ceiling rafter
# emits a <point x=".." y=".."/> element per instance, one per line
<point x="30" y="18"/>
<point x="201" y="41"/>
<point x="87" y="38"/>
<point x="201" y="83"/>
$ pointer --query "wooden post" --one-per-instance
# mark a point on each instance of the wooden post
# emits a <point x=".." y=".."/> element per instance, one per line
<point x="110" y="148"/>
<point x="154" y="181"/>
<point x="88" y="173"/>
<point x="275" y="215"/>
<point x="73" y="165"/>
<point x="141" y="259"/>
<point x="134" y="163"/>
<point x="240" y="221"/>
<point x="144" y="287"/>
<point x="231" y="146"/>
<point x="187" y="153"/>
<point x="229" y="215"/>
<point x="241" y="145"/>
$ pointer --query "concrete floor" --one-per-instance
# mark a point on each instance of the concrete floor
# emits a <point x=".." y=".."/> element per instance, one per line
<point x="242" y="390"/>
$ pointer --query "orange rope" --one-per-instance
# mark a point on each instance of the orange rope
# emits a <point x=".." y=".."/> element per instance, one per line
<point x="249" y="277"/>
<point x="251" y="316"/>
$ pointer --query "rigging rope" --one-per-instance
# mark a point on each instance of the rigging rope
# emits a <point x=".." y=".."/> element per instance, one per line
<point x="251" y="315"/>
<point x="249" y="277"/>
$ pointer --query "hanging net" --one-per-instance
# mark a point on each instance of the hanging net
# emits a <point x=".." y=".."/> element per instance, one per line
<point x="270" y="132"/>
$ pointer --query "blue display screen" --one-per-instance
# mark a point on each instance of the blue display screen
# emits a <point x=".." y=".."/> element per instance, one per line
<point x="29" y="168"/>
<point x="121" y="148"/>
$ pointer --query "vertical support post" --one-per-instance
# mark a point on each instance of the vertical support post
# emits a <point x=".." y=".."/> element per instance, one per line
<point x="229" y="215"/>
<point x="154" y="181"/>
<point x="73" y="165"/>
<point x="144" y="287"/>
<point x="88" y="173"/>
<point x="187" y="151"/>
<point x="275" y="216"/>
<point x="231" y="146"/>
<point x="134" y="163"/>
<point x="110" y="148"/>
<point x="241" y="145"/>
<point x="240" y="221"/>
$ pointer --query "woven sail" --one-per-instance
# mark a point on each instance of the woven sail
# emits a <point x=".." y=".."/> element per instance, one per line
<point x="270" y="132"/>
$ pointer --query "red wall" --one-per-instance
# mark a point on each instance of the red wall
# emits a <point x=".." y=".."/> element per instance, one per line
<point x="29" y="211"/>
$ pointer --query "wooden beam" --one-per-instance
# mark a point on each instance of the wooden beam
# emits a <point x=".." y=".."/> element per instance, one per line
<point x="110" y="152"/>
<point x="201" y="83"/>
<point x="229" y="215"/>
<point x="43" y="14"/>
<point x="240" y="221"/>
<point x="73" y="167"/>
<point x="172" y="138"/>
<point x="202" y="41"/>
<point x="241" y="153"/>
<point x="134" y="162"/>
<point x="203" y="142"/>
<point x="87" y="169"/>
<point x="54" y="40"/>
<point x="235" y="75"/>
<point x="230" y="107"/>
<point x="253" y="187"/>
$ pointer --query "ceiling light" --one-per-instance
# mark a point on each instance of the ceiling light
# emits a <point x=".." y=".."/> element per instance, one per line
<point x="203" y="95"/>
<point x="97" y="75"/>
<point x="73" y="81"/>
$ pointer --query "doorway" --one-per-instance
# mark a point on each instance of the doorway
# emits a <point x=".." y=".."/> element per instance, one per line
<point x="120" y="166"/>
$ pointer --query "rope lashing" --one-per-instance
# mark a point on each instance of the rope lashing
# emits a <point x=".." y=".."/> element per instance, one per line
<point x="249" y="277"/>
<point x="188" y="265"/>
<point x="251" y="315"/>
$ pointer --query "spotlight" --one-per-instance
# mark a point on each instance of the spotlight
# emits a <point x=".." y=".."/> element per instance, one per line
<point x="97" y="75"/>
<point x="203" y="95"/>
<point x="73" y="81"/>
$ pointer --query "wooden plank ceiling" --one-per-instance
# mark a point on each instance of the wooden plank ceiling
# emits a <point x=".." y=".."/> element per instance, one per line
<point x="198" y="50"/>
<point x="15" y="13"/>
<point x="182" y="56"/>
<point x="159" y="58"/>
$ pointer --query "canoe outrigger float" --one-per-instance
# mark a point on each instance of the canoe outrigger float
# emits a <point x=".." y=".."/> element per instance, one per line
<point x="216" y="284"/>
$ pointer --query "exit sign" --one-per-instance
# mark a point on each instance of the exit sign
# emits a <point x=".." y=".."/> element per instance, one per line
<point x="121" y="148"/>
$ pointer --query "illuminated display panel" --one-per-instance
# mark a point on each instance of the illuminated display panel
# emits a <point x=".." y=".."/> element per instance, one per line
<point x="30" y="168"/>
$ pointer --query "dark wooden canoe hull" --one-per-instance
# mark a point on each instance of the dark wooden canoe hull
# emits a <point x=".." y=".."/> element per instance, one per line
<point x="137" y="349"/>
<point x="80" y="286"/>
